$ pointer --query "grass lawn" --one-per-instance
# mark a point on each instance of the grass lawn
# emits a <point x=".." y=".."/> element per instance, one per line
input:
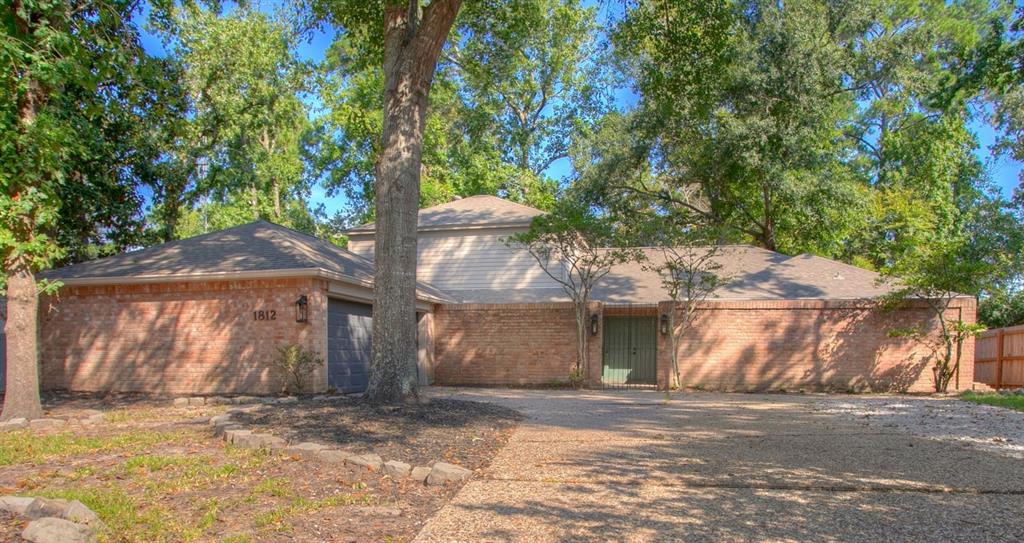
<point x="157" y="474"/>
<point x="1014" y="401"/>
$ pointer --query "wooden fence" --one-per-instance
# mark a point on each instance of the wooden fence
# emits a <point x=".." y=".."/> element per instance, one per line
<point x="999" y="357"/>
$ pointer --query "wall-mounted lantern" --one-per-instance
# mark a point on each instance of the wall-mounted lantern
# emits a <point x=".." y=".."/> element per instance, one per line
<point x="664" y="323"/>
<point x="302" y="309"/>
<point x="593" y="324"/>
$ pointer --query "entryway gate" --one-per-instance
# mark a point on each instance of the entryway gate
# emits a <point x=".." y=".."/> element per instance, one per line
<point x="630" y="351"/>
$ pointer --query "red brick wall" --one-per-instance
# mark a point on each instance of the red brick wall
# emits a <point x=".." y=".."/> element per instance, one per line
<point x="177" y="338"/>
<point x="812" y="345"/>
<point x="507" y="344"/>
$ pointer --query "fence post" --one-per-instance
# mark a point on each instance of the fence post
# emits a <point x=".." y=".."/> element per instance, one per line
<point x="999" y="359"/>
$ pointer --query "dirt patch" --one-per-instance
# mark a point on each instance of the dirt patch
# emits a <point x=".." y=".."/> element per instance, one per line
<point x="155" y="473"/>
<point x="455" y="431"/>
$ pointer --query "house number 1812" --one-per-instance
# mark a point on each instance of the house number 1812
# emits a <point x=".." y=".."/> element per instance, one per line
<point x="264" y="315"/>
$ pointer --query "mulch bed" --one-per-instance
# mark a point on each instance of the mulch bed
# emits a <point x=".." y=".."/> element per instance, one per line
<point x="459" y="432"/>
<point x="241" y="503"/>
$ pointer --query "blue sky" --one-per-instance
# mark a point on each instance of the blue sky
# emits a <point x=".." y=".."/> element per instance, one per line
<point x="1004" y="170"/>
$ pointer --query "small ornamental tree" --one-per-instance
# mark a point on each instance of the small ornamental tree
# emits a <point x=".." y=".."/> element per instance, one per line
<point x="958" y="244"/>
<point x="937" y="277"/>
<point x="575" y="247"/>
<point x="690" y="274"/>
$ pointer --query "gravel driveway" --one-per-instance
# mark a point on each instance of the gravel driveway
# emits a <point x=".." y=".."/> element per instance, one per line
<point x="626" y="466"/>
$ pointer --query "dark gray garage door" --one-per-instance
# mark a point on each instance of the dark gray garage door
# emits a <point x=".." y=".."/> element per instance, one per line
<point x="349" y="338"/>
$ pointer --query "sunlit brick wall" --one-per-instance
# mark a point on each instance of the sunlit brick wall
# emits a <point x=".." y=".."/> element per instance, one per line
<point x="177" y="338"/>
<point x="507" y="344"/>
<point x="809" y="345"/>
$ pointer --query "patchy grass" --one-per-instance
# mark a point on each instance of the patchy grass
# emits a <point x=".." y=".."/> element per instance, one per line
<point x="156" y="475"/>
<point x="27" y="447"/>
<point x="236" y="538"/>
<point x="999" y="400"/>
<point x="277" y="518"/>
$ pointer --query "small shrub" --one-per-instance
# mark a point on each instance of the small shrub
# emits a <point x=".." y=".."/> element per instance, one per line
<point x="296" y="363"/>
<point x="576" y="378"/>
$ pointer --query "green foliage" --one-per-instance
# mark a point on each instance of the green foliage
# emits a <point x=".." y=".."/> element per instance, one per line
<point x="1002" y="308"/>
<point x="516" y="83"/>
<point x="576" y="248"/>
<point x="69" y="85"/>
<point x="936" y="270"/>
<point x="297" y="364"/>
<point x="231" y="151"/>
<point x="754" y="144"/>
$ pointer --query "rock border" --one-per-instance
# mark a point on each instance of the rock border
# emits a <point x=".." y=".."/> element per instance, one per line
<point x="200" y="401"/>
<point x="54" y="520"/>
<point x="91" y="417"/>
<point x="237" y="435"/>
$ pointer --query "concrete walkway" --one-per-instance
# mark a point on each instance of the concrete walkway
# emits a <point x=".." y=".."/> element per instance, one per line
<point x="626" y="466"/>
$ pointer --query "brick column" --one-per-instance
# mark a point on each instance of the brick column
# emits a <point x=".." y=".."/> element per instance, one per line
<point x="664" y="356"/>
<point x="965" y="379"/>
<point x="595" y="345"/>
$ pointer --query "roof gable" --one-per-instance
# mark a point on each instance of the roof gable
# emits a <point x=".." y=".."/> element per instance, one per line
<point x="481" y="211"/>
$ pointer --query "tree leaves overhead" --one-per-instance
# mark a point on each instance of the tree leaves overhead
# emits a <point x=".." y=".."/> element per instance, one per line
<point x="836" y="128"/>
<point x="750" y="137"/>
<point x="516" y="83"/>
<point x="232" y="150"/>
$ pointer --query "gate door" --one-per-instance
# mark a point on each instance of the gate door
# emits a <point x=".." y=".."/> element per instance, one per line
<point x="630" y="351"/>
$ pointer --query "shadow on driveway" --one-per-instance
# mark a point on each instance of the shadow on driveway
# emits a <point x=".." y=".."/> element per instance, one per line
<point x="626" y="466"/>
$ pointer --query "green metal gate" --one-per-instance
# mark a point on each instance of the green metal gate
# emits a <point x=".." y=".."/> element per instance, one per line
<point x="630" y="351"/>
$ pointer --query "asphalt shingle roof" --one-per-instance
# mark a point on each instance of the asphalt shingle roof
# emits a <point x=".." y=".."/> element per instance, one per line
<point x="259" y="246"/>
<point x="474" y="211"/>
<point x="753" y="273"/>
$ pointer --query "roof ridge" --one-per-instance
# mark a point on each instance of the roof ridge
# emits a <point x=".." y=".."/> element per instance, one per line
<point x="315" y="239"/>
<point x="834" y="261"/>
<point x="161" y="245"/>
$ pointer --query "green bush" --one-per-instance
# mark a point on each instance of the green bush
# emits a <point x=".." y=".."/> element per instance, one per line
<point x="296" y="363"/>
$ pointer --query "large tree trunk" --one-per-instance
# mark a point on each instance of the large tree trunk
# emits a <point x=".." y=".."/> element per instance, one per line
<point x="21" y="398"/>
<point x="411" y="47"/>
<point x="22" y="395"/>
<point x="275" y="188"/>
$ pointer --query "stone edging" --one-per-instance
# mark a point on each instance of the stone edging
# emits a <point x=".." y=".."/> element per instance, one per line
<point x="53" y="520"/>
<point x="91" y="417"/>
<point x="234" y="433"/>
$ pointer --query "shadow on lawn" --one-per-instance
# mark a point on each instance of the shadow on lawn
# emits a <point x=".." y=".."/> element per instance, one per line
<point x="442" y="428"/>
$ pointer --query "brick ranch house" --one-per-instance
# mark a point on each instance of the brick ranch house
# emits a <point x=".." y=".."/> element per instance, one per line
<point x="206" y="315"/>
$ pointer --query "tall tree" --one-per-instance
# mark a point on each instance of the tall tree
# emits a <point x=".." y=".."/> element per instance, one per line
<point x="412" y="39"/>
<point x="233" y="148"/>
<point x="756" y="142"/>
<point x="517" y="82"/>
<point x="459" y="158"/>
<point x="55" y="57"/>
<point x="536" y="67"/>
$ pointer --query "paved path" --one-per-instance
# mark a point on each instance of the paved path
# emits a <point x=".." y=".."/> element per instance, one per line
<point x="626" y="466"/>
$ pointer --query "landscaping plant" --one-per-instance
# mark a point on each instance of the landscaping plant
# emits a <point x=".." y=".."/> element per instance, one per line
<point x="690" y="273"/>
<point x="576" y="248"/>
<point x="297" y="364"/>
